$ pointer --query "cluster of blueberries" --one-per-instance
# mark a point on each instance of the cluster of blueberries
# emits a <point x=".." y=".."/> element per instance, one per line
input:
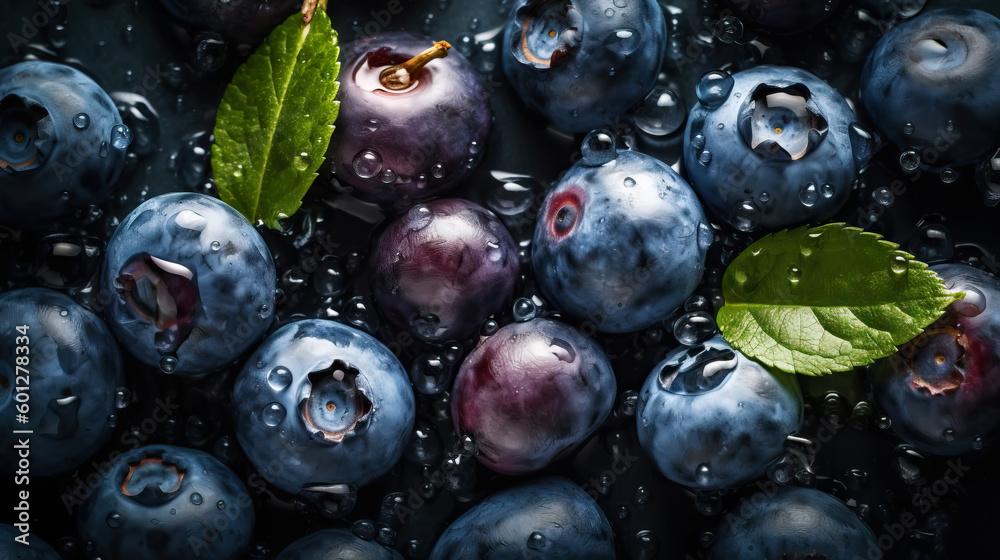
<point x="521" y="389"/>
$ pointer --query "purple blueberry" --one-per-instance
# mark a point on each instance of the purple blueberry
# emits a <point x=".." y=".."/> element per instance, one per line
<point x="940" y="389"/>
<point x="712" y="418"/>
<point x="190" y="283"/>
<point x="620" y="240"/>
<point x="394" y="146"/>
<point x="548" y="518"/>
<point x="246" y="21"/>
<point x="67" y="364"/>
<point x="582" y="63"/>
<point x="321" y="405"/>
<point x="930" y="87"/>
<point x="163" y="501"/>
<point x="336" y="544"/>
<point x="443" y="268"/>
<point x="530" y="393"/>
<point x="62" y="143"/>
<point x="791" y="522"/>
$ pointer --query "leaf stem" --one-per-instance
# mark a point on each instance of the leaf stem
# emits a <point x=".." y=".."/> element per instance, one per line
<point x="309" y="8"/>
<point x="400" y="76"/>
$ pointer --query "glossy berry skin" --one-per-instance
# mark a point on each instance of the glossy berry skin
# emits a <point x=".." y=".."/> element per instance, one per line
<point x="548" y="517"/>
<point x="711" y="418"/>
<point x="530" y="393"/>
<point x="245" y="21"/>
<point x="163" y="501"/>
<point x="772" y="146"/>
<point x="321" y="403"/>
<point x="49" y="165"/>
<point x="73" y="367"/>
<point x="793" y="522"/>
<point x="581" y="63"/>
<point x="784" y="17"/>
<point x="929" y="86"/>
<point x="335" y="544"/>
<point x="443" y="268"/>
<point x="620" y="244"/>
<point x="188" y="277"/>
<point x="396" y="147"/>
<point x="10" y="549"/>
<point x="940" y="389"/>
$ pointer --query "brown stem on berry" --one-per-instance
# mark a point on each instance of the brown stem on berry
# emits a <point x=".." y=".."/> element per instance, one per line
<point x="309" y="8"/>
<point x="401" y="76"/>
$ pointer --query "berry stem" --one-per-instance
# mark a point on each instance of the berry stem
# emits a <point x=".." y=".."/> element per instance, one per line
<point x="400" y="76"/>
<point x="309" y="8"/>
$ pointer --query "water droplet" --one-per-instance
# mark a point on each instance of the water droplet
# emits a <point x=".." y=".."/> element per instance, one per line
<point x="884" y="196"/>
<point x="215" y="245"/>
<point x="728" y="30"/>
<point x="418" y="218"/>
<point x="910" y="465"/>
<point x="367" y="163"/>
<point x="115" y="521"/>
<point x="705" y="157"/>
<point x="263" y="311"/>
<point x="746" y="216"/>
<point x="301" y="162"/>
<point x="884" y="423"/>
<point x="827" y="190"/>
<point x="273" y="414"/>
<point x="536" y="541"/>
<point x="623" y="41"/>
<point x="899" y="264"/>
<point x="864" y="144"/>
<point x="703" y="474"/>
<point x="279" y="378"/>
<point x="714" y="88"/>
<point x="948" y="434"/>
<point x="694" y="327"/>
<point x="196" y="499"/>
<point x="437" y="171"/>
<point x="524" y="310"/>
<point x="598" y="148"/>
<point x="121" y="136"/>
<point x="977" y="443"/>
<point x="221" y="504"/>
<point x="698" y="141"/>
<point x="81" y="121"/>
<point x="794" y="274"/>
<point x="609" y="12"/>
<point x="764" y="196"/>
<point x="387" y="176"/>
<point x="909" y="160"/>
<point x="706" y="236"/>
<point x="808" y="195"/>
<point x="103" y="151"/>
<point x="629" y="182"/>
<point x="168" y="364"/>
<point x="908" y="129"/>
<point x="949" y="175"/>
<point x="662" y="112"/>
<point x="123" y="397"/>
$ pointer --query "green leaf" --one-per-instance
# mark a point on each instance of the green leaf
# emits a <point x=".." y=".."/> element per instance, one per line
<point x="276" y="119"/>
<point x="831" y="298"/>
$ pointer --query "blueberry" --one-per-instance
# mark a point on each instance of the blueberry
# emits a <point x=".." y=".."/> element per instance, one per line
<point x="10" y="549"/>
<point x="396" y="146"/>
<point x="548" y="517"/>
<point x="163" y="501"/>
<point x="531" y="393"/>
<point x="620" y="240"/>
<point x="773" y="146"/>
<point x="62" y="143"/>
<point x="582" y="63"/>
<point x="69" y="368"/>
<point x="940" y="389"/>
<point x="792" y="522"/>
<point x="194" y="280"/>
<point x="712" y="418"/>
<point x="320" y="404"/>
<point x="336" y="543"/>
<point x="782" y="16"/>
<point x="929" y="86"/>
<point x="246" y="21"/>
<point x="443" y="268"/>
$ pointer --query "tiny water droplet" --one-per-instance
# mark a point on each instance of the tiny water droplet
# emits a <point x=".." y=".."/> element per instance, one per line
<point x="437" y="171"/>
<point x="387" y="176"/>
<point x="705" y="157"/>
<point x="273" y="414"/>
<point x="279" y="378"/>
<point x="764" y="196"/>
<point x="884" y="196"/>
<point x="714" y="88"/>
<point x="703" y="474"/>
<point x="746" y="216"/>
<point x="216" y="245"/>
<point x="115" y="521"/>
<point x="908" y="129"/>
<point x="168" y="364"/>
<point x="899" y="264"/>
<point x="909" y="160"/>
<point x="629" y="182"/>
<point x="221" y="504"/>
<point x="196" y="499"/>
<point x="103" y="151"/>
<point x="598" y="148"/>
<point x="81" y="121"/>
<point x="948" y="434"/>
<point x="367" y="163"/>
<point x="123" y="397"/>
<point x="524" y="310"/>
<point x="536" y="541"/>
<point x="301" y="161"/>
<point x="977" y="443"/>
<point x="794" y="274"/>
<point x="949" y="175"/>
<point x="662" y="112"/>
<point x="609" y="12"/>
<point x="808" y="195"/>
<point x="121" y="136"/>
<point x="623" y="42"/>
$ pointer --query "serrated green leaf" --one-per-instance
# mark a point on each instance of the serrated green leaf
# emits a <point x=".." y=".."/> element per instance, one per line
<point x="827" y="299"/>
<point x="276" y="119"/>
